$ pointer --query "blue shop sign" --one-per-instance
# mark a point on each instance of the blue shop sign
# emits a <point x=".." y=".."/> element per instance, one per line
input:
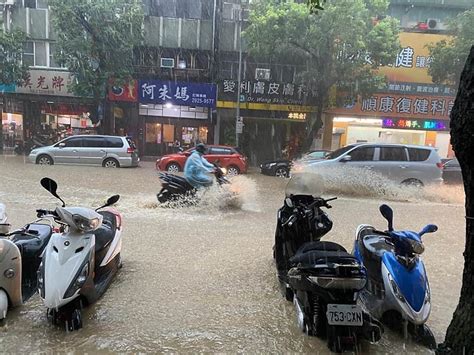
<point x="177" y="93"/>
<point x="7" y="88"/>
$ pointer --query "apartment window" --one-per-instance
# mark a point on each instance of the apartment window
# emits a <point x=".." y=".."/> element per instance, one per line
<point x="53" y="63"/>
<point x="36" y="4"/>
<point x="35" y="54"/>
<point x="165" y="8"/>
<point x="29" y="53"/>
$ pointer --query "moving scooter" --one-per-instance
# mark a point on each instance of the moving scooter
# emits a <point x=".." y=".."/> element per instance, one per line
<point x="321" y="278"/>
<point x="176" y="188"/>
<point x="80" y="262"/>
<point x="397" y="292"/>
<point x="20" y="257"/>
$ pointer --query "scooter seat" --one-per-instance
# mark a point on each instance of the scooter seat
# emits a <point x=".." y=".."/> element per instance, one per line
<point x="106" y="233"/>
<point x="176" y="181"/>
<point x="321" y="252"/>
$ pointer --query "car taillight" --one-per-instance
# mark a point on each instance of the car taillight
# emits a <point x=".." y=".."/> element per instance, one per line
<point x="440" y="165"/>
<point x="130" y="150"/>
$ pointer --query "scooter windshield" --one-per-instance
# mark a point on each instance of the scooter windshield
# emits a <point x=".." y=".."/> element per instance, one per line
<point x="305" y="184"/>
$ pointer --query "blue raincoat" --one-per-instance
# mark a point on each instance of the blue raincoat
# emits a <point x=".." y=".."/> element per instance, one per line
<point x="195" y="170"/>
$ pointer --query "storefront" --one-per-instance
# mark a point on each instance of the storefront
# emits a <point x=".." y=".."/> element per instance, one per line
<point x="410" y="109"/>
<point x="273" y="118"/>
<point x="175" y="115"/>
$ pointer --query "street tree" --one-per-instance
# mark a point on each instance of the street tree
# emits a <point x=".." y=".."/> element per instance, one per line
<point x="459" y="336"/>
<point x="449" y="55"/>
<point x="12" y="70"/>
<point x="95" y="41"/>
<point x="340" y="46"/>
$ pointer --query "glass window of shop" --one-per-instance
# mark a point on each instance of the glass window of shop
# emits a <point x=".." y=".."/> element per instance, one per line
<point x="12" y="129"/>
<point x="153" y="133"/>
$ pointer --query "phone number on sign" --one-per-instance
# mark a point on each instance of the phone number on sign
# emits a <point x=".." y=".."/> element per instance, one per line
<point x="197" y="100"/>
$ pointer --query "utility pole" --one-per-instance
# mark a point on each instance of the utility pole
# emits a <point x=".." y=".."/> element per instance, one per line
<point x="239" y="91"/>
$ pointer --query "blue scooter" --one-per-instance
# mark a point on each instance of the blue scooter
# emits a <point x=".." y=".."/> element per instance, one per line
<point x="397" y="291"/>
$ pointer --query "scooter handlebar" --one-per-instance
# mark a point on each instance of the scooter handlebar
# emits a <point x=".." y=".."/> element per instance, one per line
<point x="41" y="213"/>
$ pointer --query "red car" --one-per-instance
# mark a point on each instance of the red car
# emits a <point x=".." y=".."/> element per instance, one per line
<point x="226" y="157"/>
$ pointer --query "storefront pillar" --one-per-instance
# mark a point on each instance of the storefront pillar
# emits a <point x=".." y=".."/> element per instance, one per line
<point x="217" y="128"/>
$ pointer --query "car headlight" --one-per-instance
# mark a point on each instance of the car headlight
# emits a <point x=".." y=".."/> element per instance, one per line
<point x="78" y="282"/>
<point x="85" y="224"/>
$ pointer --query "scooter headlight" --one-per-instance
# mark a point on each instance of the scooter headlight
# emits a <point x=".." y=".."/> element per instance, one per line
<point x="9" y="273"/>
<point x="85" y="224"/>
<point x="396" y="290"/>
<point x="78" y="282"/>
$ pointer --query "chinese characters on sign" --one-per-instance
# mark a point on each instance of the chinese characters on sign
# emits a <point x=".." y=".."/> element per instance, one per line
<point x="427" y="125"/>
<point x="266" y="92"/>
<point x="297" y="116"/>
<point x="408" y="105"/>
<point x="176" y="93"/>
<point x="414" y="88"/>
<point x="406" y="59"/>
<point x="45" y="82"/>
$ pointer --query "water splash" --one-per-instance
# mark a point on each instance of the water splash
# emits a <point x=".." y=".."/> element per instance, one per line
<point x="356" y="182"/>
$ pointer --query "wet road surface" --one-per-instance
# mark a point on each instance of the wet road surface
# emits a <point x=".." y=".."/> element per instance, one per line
<point x="202" y="279"/>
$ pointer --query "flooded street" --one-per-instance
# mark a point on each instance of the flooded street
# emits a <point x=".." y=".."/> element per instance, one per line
<point x="202" y="279"/>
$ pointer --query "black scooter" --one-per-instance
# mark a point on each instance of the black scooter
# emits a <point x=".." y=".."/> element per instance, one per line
<point x="321" y="277"/>
<point x="175" y="188"/>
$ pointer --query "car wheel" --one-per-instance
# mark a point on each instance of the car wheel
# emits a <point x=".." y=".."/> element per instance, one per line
<point x="233" y="170"/>
<point x="44" y="160"/>
<point x="172" y="168"/>
<point x="111" y="163"/>
<point x="282" y="172"/>
<point x="412" y="183"/>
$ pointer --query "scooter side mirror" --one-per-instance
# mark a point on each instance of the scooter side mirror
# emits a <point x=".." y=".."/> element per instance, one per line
<point x="387" y="213"/>
<point x="51" y="186"/>
<point x="111" y="201"/>
<point x="430" y="228"/>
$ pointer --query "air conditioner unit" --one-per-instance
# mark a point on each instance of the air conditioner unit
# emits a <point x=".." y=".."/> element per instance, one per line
<point x="262" y="74"/>
<point x="435" y="24"/>
<point x="167" y="62"/>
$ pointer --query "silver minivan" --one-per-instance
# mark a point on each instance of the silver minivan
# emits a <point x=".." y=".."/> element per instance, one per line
<point x="107" y="151"/>
<point x="404" y="164"/>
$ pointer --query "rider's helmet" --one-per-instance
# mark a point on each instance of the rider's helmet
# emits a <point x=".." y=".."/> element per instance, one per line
<point x="201" y="148"/>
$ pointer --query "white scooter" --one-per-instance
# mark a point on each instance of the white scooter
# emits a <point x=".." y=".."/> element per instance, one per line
<point x="20" y="256"/>
<point x="81" y="261"/>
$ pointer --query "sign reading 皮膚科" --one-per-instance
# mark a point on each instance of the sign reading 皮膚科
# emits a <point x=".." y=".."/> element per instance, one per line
<point x="177" y="93"/>
<point x="265" y="92"/>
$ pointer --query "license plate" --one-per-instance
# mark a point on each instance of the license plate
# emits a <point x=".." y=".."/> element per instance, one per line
<point x="344" y="314"/>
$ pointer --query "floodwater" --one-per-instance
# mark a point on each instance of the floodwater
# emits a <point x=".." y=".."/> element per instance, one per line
<point x="202" y="279"/>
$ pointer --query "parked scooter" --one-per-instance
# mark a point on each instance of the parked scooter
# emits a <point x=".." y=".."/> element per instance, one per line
<point x="81" y="261"/>
<point x="321" y="278"/>
<point x="24" y="148"/>
<point x="176" y="188"/>
<point x="397" y="292"/>
<point x="20" y="257"/>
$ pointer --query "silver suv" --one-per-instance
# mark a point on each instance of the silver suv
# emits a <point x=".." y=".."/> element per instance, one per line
<point x="404" y="164"/>
<point x="107" y="151"/>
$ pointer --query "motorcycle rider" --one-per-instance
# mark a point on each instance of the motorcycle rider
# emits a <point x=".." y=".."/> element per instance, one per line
<point x="197" y="167"/>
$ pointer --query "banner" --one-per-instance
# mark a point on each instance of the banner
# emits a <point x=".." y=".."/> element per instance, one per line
<point x="127" y="92"/>
<point x="425" y="125"/>
<point x="177" y="93"/>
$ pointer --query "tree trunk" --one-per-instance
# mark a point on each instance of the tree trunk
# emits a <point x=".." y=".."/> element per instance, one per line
<point x="460" y="334"/>
<point x="314" y="125"/>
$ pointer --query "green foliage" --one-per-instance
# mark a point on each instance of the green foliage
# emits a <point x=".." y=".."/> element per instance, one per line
<point x="96" y="40"/>
<point x="12" y="71"/>
<point x="334" y="45"/>
<point x="449" y="56"/>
